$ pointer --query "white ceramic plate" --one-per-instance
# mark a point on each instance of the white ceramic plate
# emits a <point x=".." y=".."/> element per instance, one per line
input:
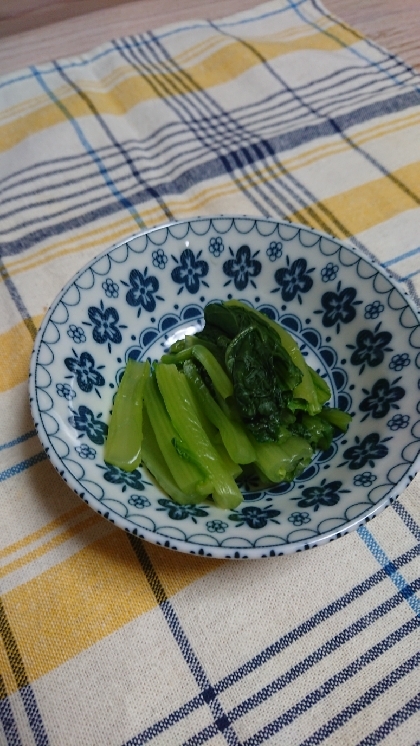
<point x="357" y="328"/>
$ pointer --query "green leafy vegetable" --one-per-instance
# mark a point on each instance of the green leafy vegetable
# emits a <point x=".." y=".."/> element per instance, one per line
<point x="271" y="378"/>
<point x="237" y="396"/>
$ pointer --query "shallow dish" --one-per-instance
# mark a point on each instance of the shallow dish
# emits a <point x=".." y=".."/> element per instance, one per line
<point x="358" y="329"/>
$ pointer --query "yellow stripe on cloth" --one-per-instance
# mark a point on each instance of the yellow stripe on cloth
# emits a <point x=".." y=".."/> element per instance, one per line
<point x="184" y="570"/>
<point x="16" y="347"/>
<point x="211" y="45"/>
<point x="76" y="603"/>
<point x="6" y="671"/>
<point x="227" y="63"/>
<point x="41" y="532"/>
<point x="360" y="136"/>
<point x="366" y="205"/>
<point x="103" y="236"/>
<point x="89" y="520"/>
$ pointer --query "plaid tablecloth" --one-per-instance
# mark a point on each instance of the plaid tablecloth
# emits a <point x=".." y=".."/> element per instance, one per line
<point x="280" y="111"/>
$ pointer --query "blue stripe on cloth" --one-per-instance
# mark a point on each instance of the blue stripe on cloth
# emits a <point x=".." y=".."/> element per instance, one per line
<point x="390" y="569"/>
<point x="211" y="170"/>
<point x="336" y="129"/>
<point x="222" y="724"/>
<point x="401" y="257"/>
<point x="12" y="471"/>
<point x="183" y="643"/>
<point x="34" y="715"/>
<point x="260" y="17"/>
<point x="167" y="722"/>
<point x="208" y="696"/>
<point x="369" y="42"/>
<point x="145" y="196"/>
<point x="364" y="701"/>
<point x="400" y="716"/>
<point x="196" y="116"/>
<point x="281" y="189"/>
<point x="283" y="642"/>
<point x="326" y="613"/>
<point x="8" y="723"/>
<point x="222" y="133"/>
<point x="173" y="32"/>
<point x="20" y="439"/>
<point x="124" y="202"/>
<point x="25" y="690"/>
<point x="364" y="153"/>
<point x="295" y="6"/>
<point x="407" y="519"/>
<point x="260" y="115"/>
<point x="306" y="108"/>
<point x="128" y="160"/>
<point x="17" y="300"/>
<point x="314" y="658"/>
<point x="408" y="277"/>
<point x="340" y="678"/>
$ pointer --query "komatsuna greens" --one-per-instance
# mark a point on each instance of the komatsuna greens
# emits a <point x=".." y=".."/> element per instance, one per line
<point x="237" y="396"/>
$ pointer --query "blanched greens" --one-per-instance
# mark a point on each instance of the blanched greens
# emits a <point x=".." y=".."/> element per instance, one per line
<point x="237" y="395"/>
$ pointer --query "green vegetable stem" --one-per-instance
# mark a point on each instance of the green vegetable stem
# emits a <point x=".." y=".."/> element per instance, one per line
<point x="186" y="474"/>
<point x="154" y="461"/>
<point x="217" y="375"/>
<point x="123" y="444"/>
<point x="181" y="408"/>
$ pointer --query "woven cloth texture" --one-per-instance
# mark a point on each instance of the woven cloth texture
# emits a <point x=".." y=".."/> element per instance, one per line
<point x="282" y="111"/>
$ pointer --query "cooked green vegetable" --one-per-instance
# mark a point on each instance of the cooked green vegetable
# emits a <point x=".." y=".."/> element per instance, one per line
<point x="282" y="461"/>
<point x="123" y="444"/>
<point x="154" y="461"/>
<point x="238" y="395"/>
<point x="187" y="475"/>
<point x="234" y="437"/>
<point x="271" y="378"/>
<point x="179" y="402"/>
<point x="218" y="377"/>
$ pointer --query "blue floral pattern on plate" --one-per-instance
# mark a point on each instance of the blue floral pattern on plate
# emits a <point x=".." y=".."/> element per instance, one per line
<point x="242" y="267"/>
<point x="294" y="280"/>
<point x="354" y="325"/>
